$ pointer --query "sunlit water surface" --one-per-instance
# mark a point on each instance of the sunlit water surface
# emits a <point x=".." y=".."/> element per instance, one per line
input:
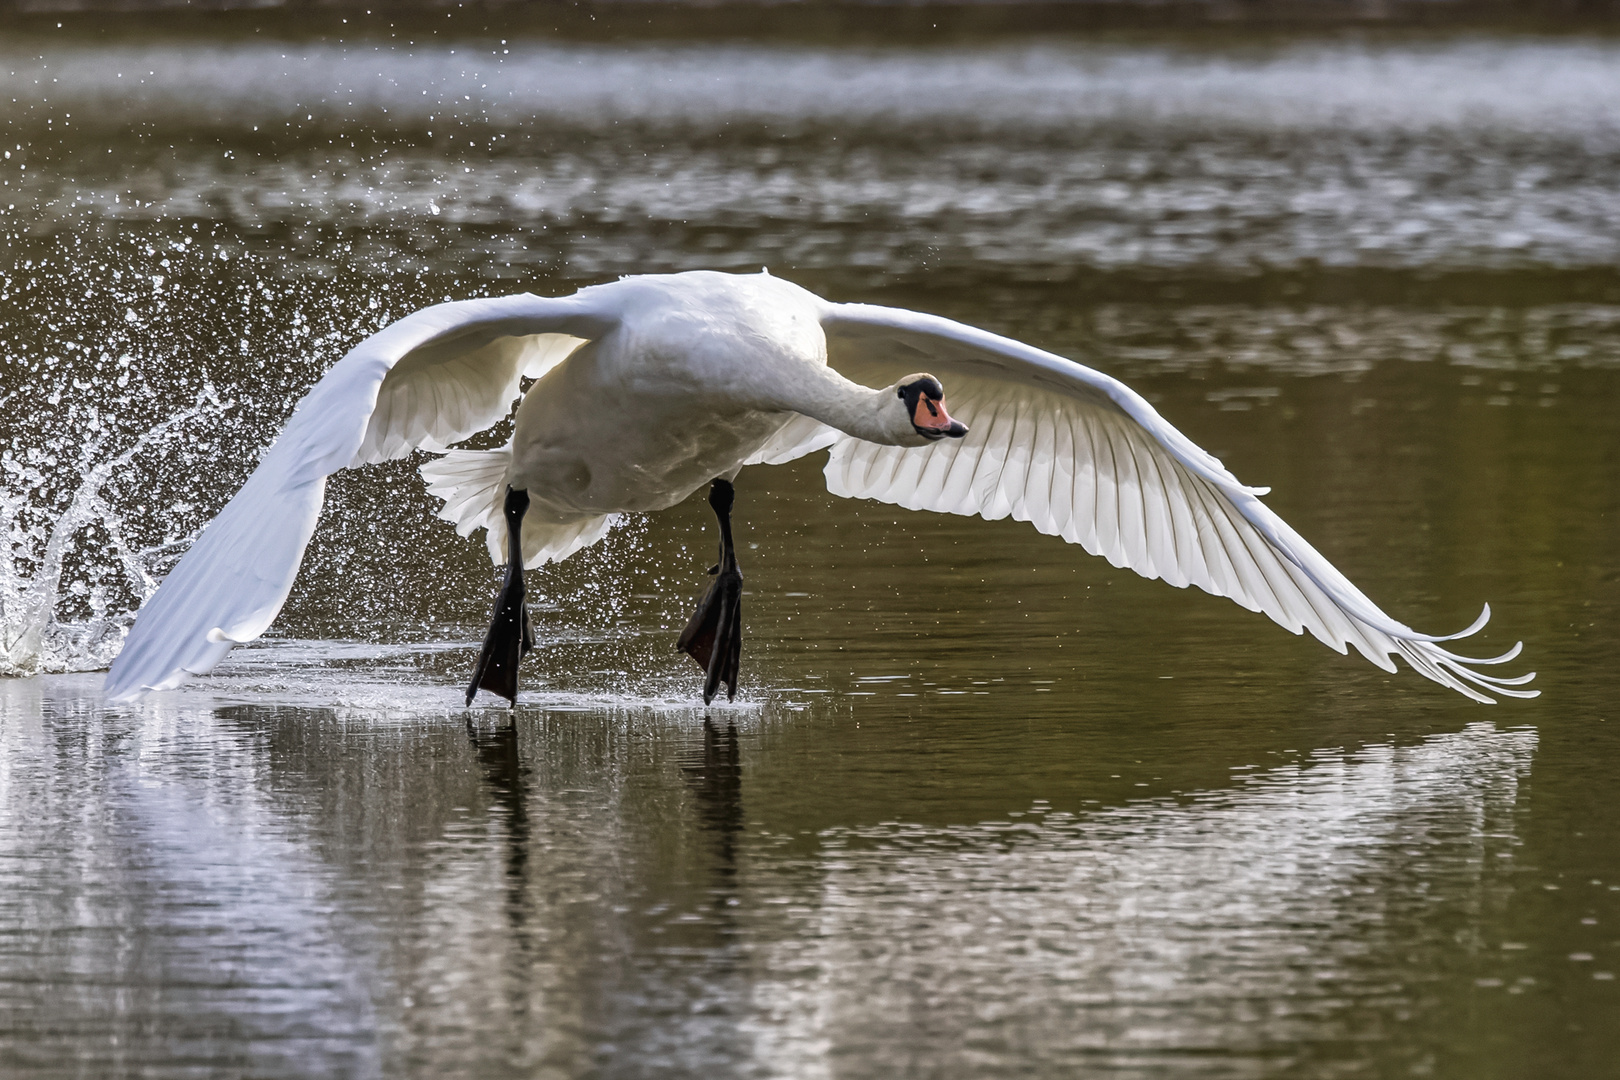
<point x="985" y="806"/>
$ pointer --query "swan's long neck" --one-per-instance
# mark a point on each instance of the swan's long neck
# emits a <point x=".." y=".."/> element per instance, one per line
<point x="873" y="415"/>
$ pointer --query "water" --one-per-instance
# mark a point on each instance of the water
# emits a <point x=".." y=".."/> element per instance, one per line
<point x="986" y="806"/>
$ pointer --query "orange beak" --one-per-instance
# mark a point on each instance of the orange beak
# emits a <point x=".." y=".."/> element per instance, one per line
<point x="931" y="414"/>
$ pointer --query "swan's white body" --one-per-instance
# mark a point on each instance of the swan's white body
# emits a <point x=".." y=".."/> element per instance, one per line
<point x="649" y="387"/>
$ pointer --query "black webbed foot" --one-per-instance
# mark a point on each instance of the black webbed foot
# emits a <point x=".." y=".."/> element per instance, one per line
<point x="511" y="634"/>
<point x="713" y="637"/>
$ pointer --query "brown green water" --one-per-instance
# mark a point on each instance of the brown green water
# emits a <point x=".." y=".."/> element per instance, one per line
<point x="986" y="806"/>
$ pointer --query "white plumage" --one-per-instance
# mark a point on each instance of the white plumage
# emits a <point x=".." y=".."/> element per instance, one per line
<point x="649" y="387"/>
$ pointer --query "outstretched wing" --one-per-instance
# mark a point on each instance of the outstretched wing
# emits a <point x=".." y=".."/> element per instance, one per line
<point x="433" y="378"/>
<point x="1082" y="456"/>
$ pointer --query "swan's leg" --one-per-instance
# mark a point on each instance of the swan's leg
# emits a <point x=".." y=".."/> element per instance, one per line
<point x="511" y="635"/>
<point x="714" y="636"/>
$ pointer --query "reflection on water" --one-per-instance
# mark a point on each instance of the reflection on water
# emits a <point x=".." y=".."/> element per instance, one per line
<point x="1249" y="920"/>
<point x="349" y="898"/>
<point x="714" y="769"/>
<point x="984" y="806"/>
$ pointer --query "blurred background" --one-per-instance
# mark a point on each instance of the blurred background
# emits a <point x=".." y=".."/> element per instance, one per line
<point x="1368" y="253"/>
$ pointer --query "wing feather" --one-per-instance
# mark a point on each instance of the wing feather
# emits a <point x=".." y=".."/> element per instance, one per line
<point x="799" y="436"/>
<point x="443" y="391"/>
<point x="931" y="482"/>
<point x="1186" y="559"/>
<point x="956" y="490"/>
<point x="431" y="378"/>
<point x="1080" y="455"/>
<point x="1015" y="470"/>
<point x="1158" y="504"/>
<point x="1062" y="498"/>
<point x="1083" y="518"/>
<point x="987" y="488"/>
<point x="1105" y="481"/>
<point x="1132" y="502"/>
<point x="1038" y="486"/>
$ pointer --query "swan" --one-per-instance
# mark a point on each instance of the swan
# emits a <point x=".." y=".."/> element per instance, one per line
<point x="647" y="388"/>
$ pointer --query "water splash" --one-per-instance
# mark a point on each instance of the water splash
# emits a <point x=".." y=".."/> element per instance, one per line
<point x="33" y="638"/>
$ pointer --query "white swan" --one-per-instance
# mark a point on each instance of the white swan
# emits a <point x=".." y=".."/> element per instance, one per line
<point x="650" y="387"/>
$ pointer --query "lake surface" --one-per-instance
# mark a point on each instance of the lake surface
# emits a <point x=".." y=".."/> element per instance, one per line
<point x="986" y="806"/>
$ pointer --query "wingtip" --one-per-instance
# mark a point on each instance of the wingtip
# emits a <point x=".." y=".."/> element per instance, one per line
<point x="115" y="693"/>
<point x="1477" y="625"/>
<point x="1518" y="647"/>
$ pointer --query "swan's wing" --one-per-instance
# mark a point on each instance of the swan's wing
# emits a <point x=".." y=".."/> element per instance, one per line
<point x="799" y="436"/>
<point x="1082" y="456"/>
<point x="432" y="378"/>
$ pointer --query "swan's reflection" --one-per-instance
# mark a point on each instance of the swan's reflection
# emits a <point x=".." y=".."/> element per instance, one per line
<point x="506" y="778"/>
<point x="713" y="770"/>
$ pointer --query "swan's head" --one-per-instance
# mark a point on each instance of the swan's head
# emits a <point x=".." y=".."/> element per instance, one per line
<point x="924" y="400"/>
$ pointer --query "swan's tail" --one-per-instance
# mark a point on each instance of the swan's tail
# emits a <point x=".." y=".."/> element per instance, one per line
<point x="472" y="484"/>
<point x="228" y="588"/>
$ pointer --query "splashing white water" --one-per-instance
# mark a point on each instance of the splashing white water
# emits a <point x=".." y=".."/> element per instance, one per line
<point x="33" y="638"/>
